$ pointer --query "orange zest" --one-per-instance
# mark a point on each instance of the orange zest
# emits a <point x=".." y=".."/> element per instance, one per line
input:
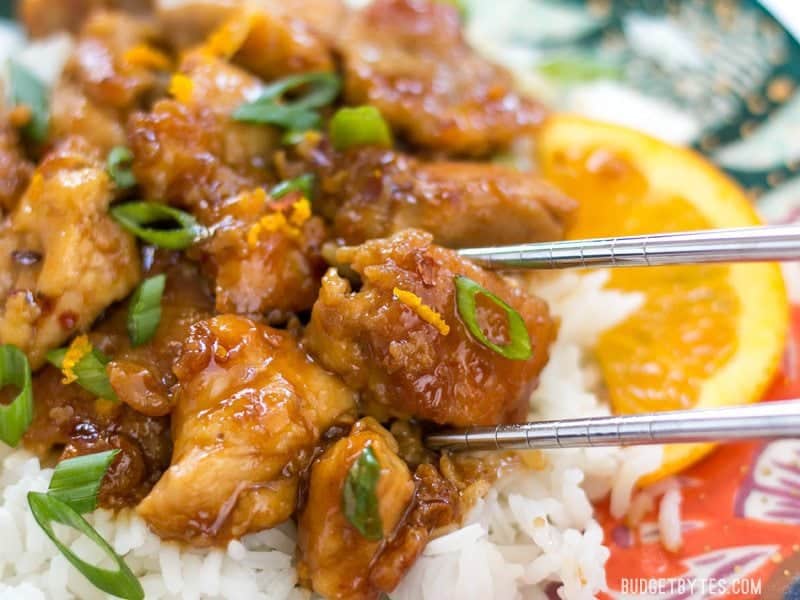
<point x="229" y="37"/>
<point x="706" y="335"/>
<point x="80" y="347"/>
<point x="147" y="57"/>
<point x="424" y="312"/>
<point x="181" y="88"/>
<point x="277" y="221"/>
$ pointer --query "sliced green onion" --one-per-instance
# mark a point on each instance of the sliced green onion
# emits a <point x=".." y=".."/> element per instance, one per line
<point x="28" y="90"/>
<point x="15" y="417"/>
<point x="144" y="312"/>
<point x="293" y="136"/>
<point x="76" y="481"/>
<point x="303" y="184"/>
<point x="121" y="582"/>
<point x="138" y="218"/>
<point x="467" y="291"/>
<point x="298" y="114"/>
<point x="360" y="126"/>
<point x="119" y="167"/>
<point x="578" y="69"/>
<point x="360" y="498"/>
<point x="90" y="371"/>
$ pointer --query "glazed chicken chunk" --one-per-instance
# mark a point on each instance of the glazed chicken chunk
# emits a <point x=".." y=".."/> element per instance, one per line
<point x="63" y="260"/>
<point x="336" y="558"/>
<point x="409" y="59"/>
<point x="15" y="170"/>
<point x="250" y="407"/>
<point x="384" y="343"/>
<point x="370" y="193"/>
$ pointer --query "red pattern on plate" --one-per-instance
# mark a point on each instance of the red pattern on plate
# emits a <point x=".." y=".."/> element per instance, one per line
<point x="720" y="535"/>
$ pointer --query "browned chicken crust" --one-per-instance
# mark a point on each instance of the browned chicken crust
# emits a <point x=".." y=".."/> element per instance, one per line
<point x="409" y="59"/>
<point x="404" y="366"/>
<point x="250" y="408"/>
<point x="63" y="259"/>
<point x="338" y="561"/>
<point x="370" y="193"/>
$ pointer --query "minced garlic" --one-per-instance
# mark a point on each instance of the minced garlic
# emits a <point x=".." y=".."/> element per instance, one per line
<point x="181" y="88"/>
<point x="80" y="347"/>
<point x="426" y="313"/>
<point x="147" y="57"/>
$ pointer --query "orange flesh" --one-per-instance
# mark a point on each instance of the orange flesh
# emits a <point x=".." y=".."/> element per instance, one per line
<point x="660" y="356"/>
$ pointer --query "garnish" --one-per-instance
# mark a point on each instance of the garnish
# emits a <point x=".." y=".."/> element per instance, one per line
<point x="76" y="481"/>
<point x="467" y="291"/>
<point x="359" y="495"/>
<point x="576" y="69"/>
<point x="147" y="57"/>
<point x="181" y="88"/>
<point x="16" y="416"/>
<point x="118" y="166"/>
<point x="137" y="217"/>
<point x="296" y="114"/>
<point x="359" y="126"/>
<point x="424" y="312"/>
<point x="277" y="221"/>
<point x="29" y="91"/>
<point x="47" y="510"/>
<point x="82" y="364"/>
<point x="303" y="184"/>
<point x="228" y="38"/>
<point x="144" y="312"/>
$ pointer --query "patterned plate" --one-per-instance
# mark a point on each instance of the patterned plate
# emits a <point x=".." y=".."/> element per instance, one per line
<point x="725" y="86"/>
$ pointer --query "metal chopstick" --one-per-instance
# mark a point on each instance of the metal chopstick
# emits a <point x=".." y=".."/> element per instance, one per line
<point x="746" y="244"/>
<point x="766" y="420"/>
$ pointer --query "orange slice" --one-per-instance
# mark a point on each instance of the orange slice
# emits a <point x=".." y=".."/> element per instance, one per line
<point x="706" y="335"/>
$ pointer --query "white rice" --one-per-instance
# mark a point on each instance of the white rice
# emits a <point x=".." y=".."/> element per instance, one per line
<point x="535" y="528"/>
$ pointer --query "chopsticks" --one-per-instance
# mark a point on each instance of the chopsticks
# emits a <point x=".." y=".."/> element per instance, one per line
<point x="746" y="244"/>
<point x="756" y="421"/>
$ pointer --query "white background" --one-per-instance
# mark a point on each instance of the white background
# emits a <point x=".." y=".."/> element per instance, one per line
<point x="787" y="11"/>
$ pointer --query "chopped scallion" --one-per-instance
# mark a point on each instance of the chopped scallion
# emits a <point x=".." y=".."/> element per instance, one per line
<point x="144" y="312"/>
<point x="140" y="217"/>
<point x="16" y="416"/>
<point x="76" y="481"/>
<point x="359" y="126"/>
<point x="29" y="91"/>
<point x="297" y="114"/>
<point x="121" y="582"/>
<point x="568" y="69"/>
<point x="90" y="371"/>
<point x="119" y="167"/>
<point x="467" y="291"/>
<point x="303" y="184"/>
<point x="360" y="498"/>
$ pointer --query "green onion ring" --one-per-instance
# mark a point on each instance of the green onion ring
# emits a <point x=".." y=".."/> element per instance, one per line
<point x="90" y="371"/>
<point x="303" y="184"/>
<point x="467" y="291"/>
<point x="122" y="582"/>
<point x="135" y="216"/>
<point x="15" y="417"/>
<point x="360" y="498"/>
<point x="76" y="481"/>
<point x="144" y="311"/>
<point x="118" y="167"/>
<point x="359" y="126"/>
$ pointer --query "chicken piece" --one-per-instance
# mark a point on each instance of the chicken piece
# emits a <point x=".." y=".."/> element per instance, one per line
<point x="142" y="377"/>
<point x="190" y="153"/>
<point x="409" y="59"/>
<point x="370" y="193"/>
<point x="324" y="17"/>
<point x="15" y="169"/>
<point x="336" y="560"/>
<point x="100" y="85"/>
<point x="45" y="17"/>
<point x="63" y="259"/>
<point x="405" y="366"/>
<point x="267" y="39"/>
<point x="258" y="269"/>
<point x="70" y="421"/>
<point x="250" y="408"/>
